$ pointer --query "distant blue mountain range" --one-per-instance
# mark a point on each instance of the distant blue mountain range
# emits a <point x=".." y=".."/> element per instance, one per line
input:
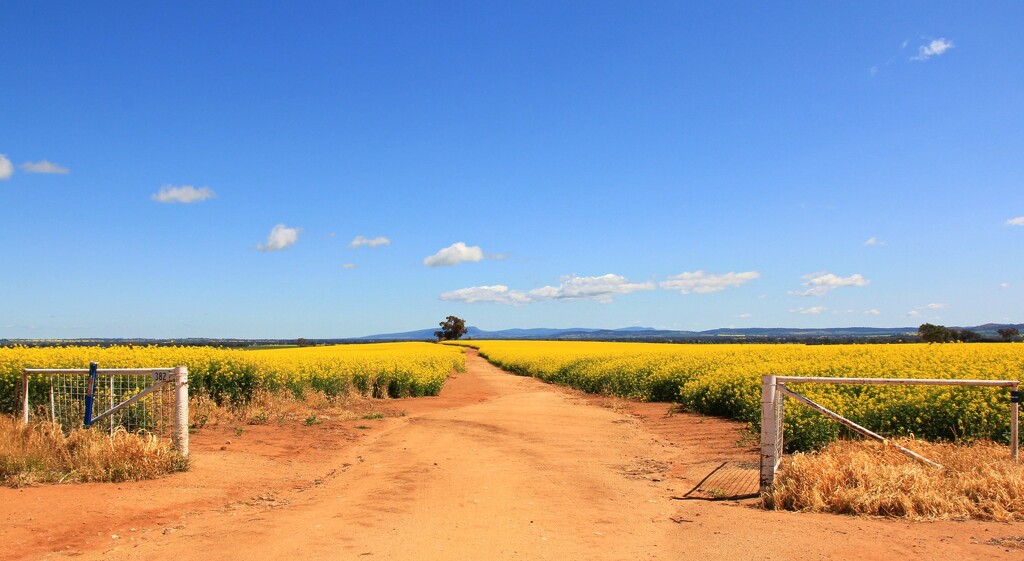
<point x="648" y="333"/>
<point x="988" y="330"/>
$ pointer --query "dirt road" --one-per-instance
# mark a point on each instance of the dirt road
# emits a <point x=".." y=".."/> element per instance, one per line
<point x="497" y="467"/>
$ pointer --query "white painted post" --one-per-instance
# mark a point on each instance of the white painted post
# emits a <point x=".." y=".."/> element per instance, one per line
<point x="24" y="397"/>
<point x="769" y="459"/>
<point x="1014" y="421"/>
<point x="181" y="409"/>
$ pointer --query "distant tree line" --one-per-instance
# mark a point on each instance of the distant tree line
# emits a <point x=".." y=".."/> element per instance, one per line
<point x="941" y="334"/>
<point x="1009" y="333"/>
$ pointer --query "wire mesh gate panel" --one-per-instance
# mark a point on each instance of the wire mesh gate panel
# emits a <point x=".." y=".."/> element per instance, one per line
<point x="774" y="392"/>
<point x="146" y="400"/>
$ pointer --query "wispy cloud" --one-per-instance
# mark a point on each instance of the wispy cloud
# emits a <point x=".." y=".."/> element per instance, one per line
<point x="812" y="311"/>
<point x="935" y="48"/>
<point x="873" y="241"/>
<point x="822" y="283"/>
<point x="1019" y="221"/>
<point x="496" y="294"/>
<point x="601" y="289"/>
<point x="44" y="166"/>
<point x="703" y="283"/>
<point x="361" y="241"/>
<point x="924" y="52"/>
<point x="1004" y="285"/>
<point x="182" y="194"/>
<point x="6" y="168"/>
<point x="922" y="311"/>
<point x="454" y="254"/>
<point x="280" y="237"/>
<point x="348" y="265"/>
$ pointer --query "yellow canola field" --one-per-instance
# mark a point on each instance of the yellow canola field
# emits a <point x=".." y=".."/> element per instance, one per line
<point x="725" y="380"/>
<point x="231" y="376"/>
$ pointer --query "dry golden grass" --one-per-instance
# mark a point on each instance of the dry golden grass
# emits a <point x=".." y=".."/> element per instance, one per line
<point x="278" y="407"/>
<point x="42" y="453"/>
<point x="868" y="478"/>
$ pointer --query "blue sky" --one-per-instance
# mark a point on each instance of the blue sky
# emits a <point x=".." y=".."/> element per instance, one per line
<point x="258" y="169"/>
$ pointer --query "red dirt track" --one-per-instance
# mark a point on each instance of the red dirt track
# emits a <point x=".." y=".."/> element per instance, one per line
<point x="496" y="467"/>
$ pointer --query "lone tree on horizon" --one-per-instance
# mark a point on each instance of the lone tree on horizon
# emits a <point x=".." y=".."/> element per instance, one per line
<point x="451" y="328"/>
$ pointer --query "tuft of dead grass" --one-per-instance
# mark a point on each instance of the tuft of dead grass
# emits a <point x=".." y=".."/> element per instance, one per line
<point x="869" y="478"/>
<point x="42" y="453"/>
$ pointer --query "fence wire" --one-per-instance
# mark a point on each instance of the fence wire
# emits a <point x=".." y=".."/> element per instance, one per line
<point x="61" y="398"/>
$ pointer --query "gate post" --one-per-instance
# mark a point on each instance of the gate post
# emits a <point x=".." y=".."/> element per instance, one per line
<point x="1014" y="420"/>
<point x="24" y="396"/>
<point x="181" y="409"/>
<point x="769" y="440"/>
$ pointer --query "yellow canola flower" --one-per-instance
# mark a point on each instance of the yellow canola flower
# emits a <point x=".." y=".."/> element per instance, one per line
<point x="233" y="375"/>
<point x="725" y="380"/>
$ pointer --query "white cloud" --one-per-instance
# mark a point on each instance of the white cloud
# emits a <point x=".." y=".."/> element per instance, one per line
<point x="873" y="312"/>
<point x="601" y="289"/>
<point x="1019" y="221"/>
<point x="497" y="294"/>
<point x="934" y="48"/>
<point x="1004" y="285"/>
<point x="361" y="241"/>
<point x="348" y="265"/>
<point x="873" y="241"/>
<point x="183" y="194"/>
<point x="280" y="237"/>
<point x="454" y="254"/>
<point x="822" y="283"/>
<point x="921" y="311"/>
<point x="6" y="169"/>
<point x="814" y="310"/>
<point x="745" y="316"/>
<point x="44" y="167"/>
<point x="703" y="283"/>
